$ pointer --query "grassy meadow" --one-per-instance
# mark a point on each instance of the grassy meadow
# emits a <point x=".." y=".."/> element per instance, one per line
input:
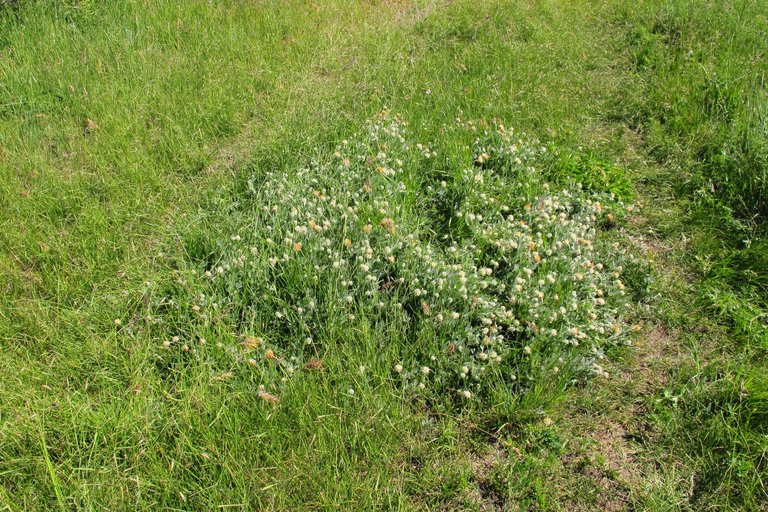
<point x="383" y="255"/>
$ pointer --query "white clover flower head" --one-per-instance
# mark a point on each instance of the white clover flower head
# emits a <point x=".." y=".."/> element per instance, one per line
<point x="538" y="252"/>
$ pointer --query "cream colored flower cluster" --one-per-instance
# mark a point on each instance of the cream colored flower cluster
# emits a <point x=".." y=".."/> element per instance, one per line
<point x="485" y="273"/>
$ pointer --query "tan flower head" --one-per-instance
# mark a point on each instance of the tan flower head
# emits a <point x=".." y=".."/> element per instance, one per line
<point x="388" y="224"/>
<point x="268" y="397"/>
<point x="314" y="364"/>
<point x="251" y="343"/>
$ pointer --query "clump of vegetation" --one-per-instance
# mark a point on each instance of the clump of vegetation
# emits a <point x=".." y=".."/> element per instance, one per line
<point x="595" y="174"/>
<point x="492" y="276"/>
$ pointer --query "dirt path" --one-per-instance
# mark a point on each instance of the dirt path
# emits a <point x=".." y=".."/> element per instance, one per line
<point x="614" y="438"/>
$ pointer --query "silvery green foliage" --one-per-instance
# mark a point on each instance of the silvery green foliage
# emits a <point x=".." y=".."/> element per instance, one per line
<point x="487" y="275"/>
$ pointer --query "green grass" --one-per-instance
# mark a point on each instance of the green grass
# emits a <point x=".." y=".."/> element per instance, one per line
<point x="703" y="104"/>
<point x="657" y="102"/>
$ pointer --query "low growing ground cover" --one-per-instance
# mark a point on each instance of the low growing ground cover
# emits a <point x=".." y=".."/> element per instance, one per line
<point x="488" y="280"/>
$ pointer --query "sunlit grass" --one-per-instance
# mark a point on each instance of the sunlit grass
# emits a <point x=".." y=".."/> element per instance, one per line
<point x="136" y="142"/>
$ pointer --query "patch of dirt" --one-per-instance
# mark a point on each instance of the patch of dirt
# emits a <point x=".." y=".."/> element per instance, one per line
<point x="407" y="14"/>
<point x="649" y="244"/>
<point x="612" y="442"/>
<point x="482" y="465"/>
<point x="613" y="496"/>
<point x="604" y="448"/>
<point x="655" y="352"/>
<point x="482" y="468"/>
<point x="234" y="152"/>
<point x="641" y="231"/>
<point x="607" y="463"/>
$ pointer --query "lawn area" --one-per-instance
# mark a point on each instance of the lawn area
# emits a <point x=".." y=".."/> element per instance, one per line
<point x="383" y="254"/>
